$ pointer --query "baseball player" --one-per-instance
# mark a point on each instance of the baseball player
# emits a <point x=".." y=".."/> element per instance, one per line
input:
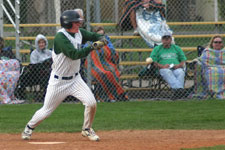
<point x="65" y="78"/>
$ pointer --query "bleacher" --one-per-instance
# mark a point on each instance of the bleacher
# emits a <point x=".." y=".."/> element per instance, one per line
<point x="128" y="76"/>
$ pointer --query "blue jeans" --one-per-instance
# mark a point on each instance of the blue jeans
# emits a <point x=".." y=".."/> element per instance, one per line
<point x="175" y="78"/>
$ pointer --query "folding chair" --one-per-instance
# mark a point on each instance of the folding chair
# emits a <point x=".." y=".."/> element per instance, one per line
<point x="34" y="76"/>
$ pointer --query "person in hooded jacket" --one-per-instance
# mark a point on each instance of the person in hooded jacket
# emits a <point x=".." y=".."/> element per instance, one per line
<point x="38" y="71"/>
<point x="41" y="53"/>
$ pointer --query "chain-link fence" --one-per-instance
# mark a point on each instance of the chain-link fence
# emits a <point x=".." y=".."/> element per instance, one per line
<point x="123" y="73"/>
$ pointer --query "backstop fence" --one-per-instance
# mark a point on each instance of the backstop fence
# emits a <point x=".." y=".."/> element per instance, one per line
<point x="124" y="72"/>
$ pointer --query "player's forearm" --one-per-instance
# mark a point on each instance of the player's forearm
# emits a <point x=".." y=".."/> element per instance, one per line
<point x="79" y="53"/>
<point x="90" y="36"/>
<point x="73" y="53"/>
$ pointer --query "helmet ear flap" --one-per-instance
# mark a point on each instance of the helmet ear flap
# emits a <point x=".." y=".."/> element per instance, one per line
<point x="68" y="25"/>
<point x="65" y="23"/>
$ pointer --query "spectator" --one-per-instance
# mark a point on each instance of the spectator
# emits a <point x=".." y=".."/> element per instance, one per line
<point x="41" y="53"/>
<point x="111" y="56"/>
<point x="105" y="71"/>
<point x="81" y="13"/>
<point x="38" y="71"/>
<point x="170" y="60"/>
<point x="212" y="70"/>
<point x="147" y="18"/>
<point x="9" y="75"/>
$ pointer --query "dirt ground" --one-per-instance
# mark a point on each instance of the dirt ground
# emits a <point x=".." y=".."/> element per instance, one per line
<point x="117" y="140"/>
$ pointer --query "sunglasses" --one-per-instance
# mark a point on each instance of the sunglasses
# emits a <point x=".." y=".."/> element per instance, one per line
<point x="217" y="42"/>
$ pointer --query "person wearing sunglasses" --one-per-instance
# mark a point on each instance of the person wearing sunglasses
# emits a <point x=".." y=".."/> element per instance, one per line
<point x="170" y="59"/>
<point x="212" y="69"/>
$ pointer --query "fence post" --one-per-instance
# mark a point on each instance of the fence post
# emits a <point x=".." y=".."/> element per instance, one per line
<point x="97" y="11"/>
<point x="216" y="15"/>
<point x="57" y="13"/>
<point x="1" y="20"/>
<point x="116" y="11"/>
<point x="89" y="56"/>
<point x="164" y="2"/>
<point x="216" y="10"/>
<point x="17" y="22"/>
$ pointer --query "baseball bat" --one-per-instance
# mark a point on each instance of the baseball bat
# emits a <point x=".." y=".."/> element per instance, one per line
<point x="98" y="44"/>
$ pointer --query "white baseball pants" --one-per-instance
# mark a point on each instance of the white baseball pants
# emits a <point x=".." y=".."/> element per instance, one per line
<point x="57" y="91"/>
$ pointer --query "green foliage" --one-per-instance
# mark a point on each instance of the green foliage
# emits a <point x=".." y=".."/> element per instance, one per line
<point x="195" y="114"/>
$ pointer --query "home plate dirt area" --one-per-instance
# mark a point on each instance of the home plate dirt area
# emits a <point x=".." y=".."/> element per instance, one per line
<point x="117" y="140"/>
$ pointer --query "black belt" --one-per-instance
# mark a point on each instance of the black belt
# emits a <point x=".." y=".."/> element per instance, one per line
<point x="65" y="78"/>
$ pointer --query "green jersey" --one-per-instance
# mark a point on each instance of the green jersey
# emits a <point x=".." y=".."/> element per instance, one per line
<point x="63" y="45"/>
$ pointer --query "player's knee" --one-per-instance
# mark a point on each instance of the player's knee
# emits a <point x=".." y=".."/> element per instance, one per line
<point x="93" y="104"/>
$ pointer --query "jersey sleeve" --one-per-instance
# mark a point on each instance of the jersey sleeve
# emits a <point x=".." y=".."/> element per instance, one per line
<point x="89" y="36"/>
<point x="63" y="45"/>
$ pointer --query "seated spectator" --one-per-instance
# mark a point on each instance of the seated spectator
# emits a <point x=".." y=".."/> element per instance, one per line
<point x="170" y="60"/>
<point x="81" y="13"/>
<point x="147" y="18"/>
<point x="41" y="53"/>
<point x="9" y="75"/>
<point x="105" y="72"/>
<point x="211" y="70"/>
<point x="38" y="71"/>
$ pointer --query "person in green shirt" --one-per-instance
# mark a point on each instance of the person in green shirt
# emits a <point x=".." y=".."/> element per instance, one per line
<point x="65" y="79"/>
<point x="170" y="59"/>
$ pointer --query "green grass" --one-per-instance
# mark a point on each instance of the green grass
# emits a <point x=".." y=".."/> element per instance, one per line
<point x="219" y="147"/>
<point x="194" y="114"/>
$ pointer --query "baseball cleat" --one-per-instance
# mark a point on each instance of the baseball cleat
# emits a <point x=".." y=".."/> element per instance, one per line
<point x="26" y="134"/>
<point x="90" y="133"/>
